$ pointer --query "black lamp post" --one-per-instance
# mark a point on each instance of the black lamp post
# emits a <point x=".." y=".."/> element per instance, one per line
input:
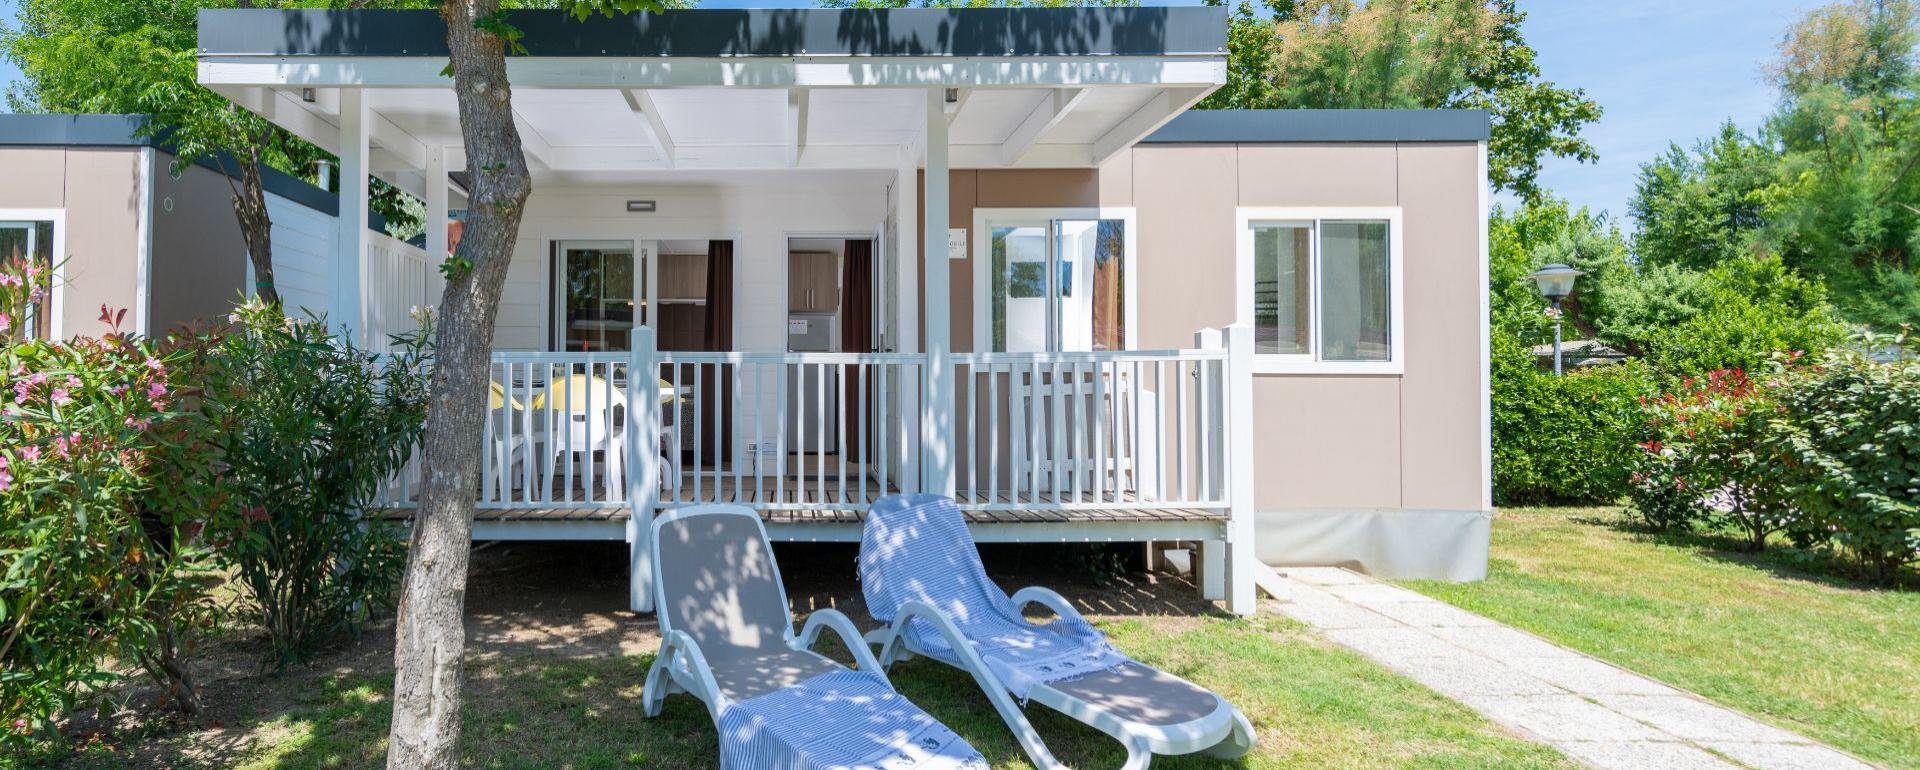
<point x="1556" y="282"/>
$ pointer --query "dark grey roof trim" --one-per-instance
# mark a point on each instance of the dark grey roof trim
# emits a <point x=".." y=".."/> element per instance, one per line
<point x="73" y="130"/>
<point x="1258" y="126"/>
<point x="769" y="32"/>
<point x="61" y="130"/>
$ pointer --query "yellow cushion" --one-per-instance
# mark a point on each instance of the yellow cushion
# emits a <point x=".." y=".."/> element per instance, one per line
<point x="497" y="397"/>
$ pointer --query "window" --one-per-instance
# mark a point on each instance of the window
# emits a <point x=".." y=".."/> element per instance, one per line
<point x="31" y="240"/>
<point x="1324" y="289"/>
<point x="1052" y="280"/>
<point x="594" y="297"/>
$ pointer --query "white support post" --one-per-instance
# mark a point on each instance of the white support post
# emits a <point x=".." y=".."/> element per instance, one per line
<point x="907" y="304"/>
<point x="1212" y="568"/>
<point x="1242" y="557"/>
<point x="436" y="201"/>
<point x="643" y="467"/>
<point x="350" y="242"/>
<point x="937" y="429"/>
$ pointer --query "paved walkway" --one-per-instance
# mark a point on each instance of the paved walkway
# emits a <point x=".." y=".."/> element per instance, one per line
<point x="1597" y="713"/>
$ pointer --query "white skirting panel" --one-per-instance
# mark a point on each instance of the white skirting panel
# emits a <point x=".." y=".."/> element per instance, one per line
<point x="1387" y="543"/>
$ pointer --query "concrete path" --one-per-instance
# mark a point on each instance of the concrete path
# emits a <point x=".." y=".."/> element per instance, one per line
<point x="1597" y="713"/>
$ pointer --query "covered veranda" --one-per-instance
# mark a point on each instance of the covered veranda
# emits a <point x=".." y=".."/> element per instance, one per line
<point x="756" y="129"/>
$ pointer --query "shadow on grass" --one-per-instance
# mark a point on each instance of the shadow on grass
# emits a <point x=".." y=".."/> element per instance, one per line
<point x="1781" y="558"/>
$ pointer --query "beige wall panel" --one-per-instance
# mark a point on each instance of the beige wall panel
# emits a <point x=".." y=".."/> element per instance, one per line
<point x="1441" y="389"/>
<point x="1184" y="196"/>
<point x="102" y="238"/>
<point x="1116" y="180"/>
<point x="1326" y="442"/>
<point x="199" y="257"/>
<point x="34" y="178"/>
<point x="1318" y="175"/>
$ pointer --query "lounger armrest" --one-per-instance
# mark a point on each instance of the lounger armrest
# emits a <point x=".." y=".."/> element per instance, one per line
<point x="849" y="635"/>
<point x="950" y="633"/>
<point x="685" y="653"/>
<point x="1050" y="599"/>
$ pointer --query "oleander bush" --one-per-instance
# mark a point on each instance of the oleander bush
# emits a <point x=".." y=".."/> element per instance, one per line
<point x="1849" y="431"/>
<point x="105" y="496"/>
<point x="308" y="426"/>
<point x="1712" y="435"/>
<point x="1562" y="439"/>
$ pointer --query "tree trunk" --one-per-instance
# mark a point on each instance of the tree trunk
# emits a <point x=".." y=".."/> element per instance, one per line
<point x="250" y="205"/>
<point x="430" y="640"/>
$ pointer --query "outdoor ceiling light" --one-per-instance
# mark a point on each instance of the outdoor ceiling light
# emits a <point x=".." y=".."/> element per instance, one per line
<point x="1556" y="280"/>
<point x="306" y="95"/>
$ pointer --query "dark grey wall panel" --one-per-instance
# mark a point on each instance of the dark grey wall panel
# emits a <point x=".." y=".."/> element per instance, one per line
<point x="755" y="32"/>
<point x="1257" y="126"/>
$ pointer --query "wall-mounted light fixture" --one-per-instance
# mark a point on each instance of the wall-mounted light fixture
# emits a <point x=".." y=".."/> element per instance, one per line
<point x="307" y="95"/>
<point x="644" y="207"/>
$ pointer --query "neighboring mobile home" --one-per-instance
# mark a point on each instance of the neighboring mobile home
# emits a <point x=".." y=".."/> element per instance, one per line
<point x="135" y="233"/>
<point x="981" y="251"/>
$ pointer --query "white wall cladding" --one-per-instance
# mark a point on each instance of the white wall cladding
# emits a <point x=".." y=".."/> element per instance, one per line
<point x="755" y="211"/>
<point x="400" y="281"/>
<point x="302" y="256"/>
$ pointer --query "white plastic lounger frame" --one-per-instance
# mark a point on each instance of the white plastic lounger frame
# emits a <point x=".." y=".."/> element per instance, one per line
<point x="682" y="667"/>
<point x="1223" y="734"/>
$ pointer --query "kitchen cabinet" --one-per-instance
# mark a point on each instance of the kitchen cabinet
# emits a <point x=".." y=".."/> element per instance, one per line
<point x="813" y="281"/>
<point x="683" y="277"/>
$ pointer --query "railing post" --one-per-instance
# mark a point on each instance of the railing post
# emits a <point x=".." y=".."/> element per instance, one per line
<point x="1213" y="553"/>
<point x="643" y="467"/>
<point x="939" y="437"/>
<point x="1241" y="554"/>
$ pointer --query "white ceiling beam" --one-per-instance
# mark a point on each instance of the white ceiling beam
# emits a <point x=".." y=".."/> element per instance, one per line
<point x="1149" y="118"/>
<point x="797" y="100"/>
<point x="538" y="151"/>
<point x="1048" y="113"/>
<point x="641" y="101"/>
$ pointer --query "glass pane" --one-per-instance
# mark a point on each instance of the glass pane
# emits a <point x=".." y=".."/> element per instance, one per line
<point x="1282" y="258"/>
<point x="599" y="297"/>
<point x="29" y="241"/>
<point x="1355" y="293"/>
<point x="1019" y="289"/>
<point x="1093" y="310"/>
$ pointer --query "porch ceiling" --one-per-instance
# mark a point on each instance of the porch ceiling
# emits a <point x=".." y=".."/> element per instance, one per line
<point x="1079" y="86"/>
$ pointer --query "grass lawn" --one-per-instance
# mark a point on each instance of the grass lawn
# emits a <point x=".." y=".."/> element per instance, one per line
<point x="1771" y="634"/>
<point x="556" y="667"/>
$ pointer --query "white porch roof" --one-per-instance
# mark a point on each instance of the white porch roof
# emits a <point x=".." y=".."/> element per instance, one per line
<point x="782" y="89"/>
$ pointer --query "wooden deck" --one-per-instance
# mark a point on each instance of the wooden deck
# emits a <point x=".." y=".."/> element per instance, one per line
<point x="833" y="508"/>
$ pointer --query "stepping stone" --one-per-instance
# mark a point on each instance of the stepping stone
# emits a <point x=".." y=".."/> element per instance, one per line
<point x="1787" y="756"/>
<point x="1642" y="755"/>
<point x="1467" y="674"/>
<point x="1696" y="720"/>
<point x="1558" y="718"/>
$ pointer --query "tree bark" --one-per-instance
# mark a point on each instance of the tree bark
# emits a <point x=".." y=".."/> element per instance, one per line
<point x="430" y="640"/>
<point x="250" y="206"/>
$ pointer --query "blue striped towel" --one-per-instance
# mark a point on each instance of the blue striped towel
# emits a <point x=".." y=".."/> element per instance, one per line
<point x="845" y="720"/>
<point x="917" y="548"/>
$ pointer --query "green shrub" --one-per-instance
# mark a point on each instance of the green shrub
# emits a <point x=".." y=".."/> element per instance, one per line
<point x="1713" y="434"/>
<point x="309" y="426"/>
<point x="1658" y="495"/>
<point x="1752" y="310"/>
<point x="1850" y="427"/>
<point x="1561" y="439"/>
<point x="101" y="505"/>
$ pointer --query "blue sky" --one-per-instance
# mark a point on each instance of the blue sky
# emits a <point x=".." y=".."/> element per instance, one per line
<point x="1665" y="71"/>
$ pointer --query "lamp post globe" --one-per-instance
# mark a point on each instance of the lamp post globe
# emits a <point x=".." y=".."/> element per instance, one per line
<point x="1555" y="282"/>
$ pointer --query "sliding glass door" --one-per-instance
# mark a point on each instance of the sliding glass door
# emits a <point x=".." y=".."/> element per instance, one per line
<point x="1057" y="284"/>
<point x="596" y="295"/>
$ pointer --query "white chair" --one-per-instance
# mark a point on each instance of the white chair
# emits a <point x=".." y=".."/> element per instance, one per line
<point x="583" y="414"/>
<point x="506" y="439"/>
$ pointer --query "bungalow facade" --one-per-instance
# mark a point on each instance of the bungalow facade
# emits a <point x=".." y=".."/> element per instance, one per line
<point x="801" y="259"/>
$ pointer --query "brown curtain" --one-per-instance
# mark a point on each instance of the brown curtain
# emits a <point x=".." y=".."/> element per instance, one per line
<point x="716" y="405"/>
<point x="856" y="336"/>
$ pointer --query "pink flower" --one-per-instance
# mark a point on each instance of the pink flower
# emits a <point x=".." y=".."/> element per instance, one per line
<point x="30" y="453"/>
<point x="73" y="382"/>
<point x="154" y="364"/>
<point x="20" y="391"/>
<point x="60" y="397"/>
<point x="6" y="481"/>
<point x="5" y="323"/>
<point x="37" y="378"/>
<point x="9" y="280"/>
<point x="117" y="389"/>
<point x="156" y="390"/>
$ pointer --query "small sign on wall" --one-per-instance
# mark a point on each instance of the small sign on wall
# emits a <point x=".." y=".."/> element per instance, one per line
<point x="797" y="326"/>
<point x="956" y="243"/>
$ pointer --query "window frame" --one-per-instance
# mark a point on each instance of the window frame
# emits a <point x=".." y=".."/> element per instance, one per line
<point x="1245" y="218"/>
<point x="56" y="292"/>
<point x="980" y="248"/>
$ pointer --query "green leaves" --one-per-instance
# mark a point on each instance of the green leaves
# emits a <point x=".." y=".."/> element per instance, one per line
<point x="1410" y="54"/>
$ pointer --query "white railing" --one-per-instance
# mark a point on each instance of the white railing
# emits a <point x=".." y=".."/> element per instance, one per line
<point x="400" y="279"/>
<point x="822" y="432"/>
<point x="1103" y="430"/>
<point x="786" y="431"/>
